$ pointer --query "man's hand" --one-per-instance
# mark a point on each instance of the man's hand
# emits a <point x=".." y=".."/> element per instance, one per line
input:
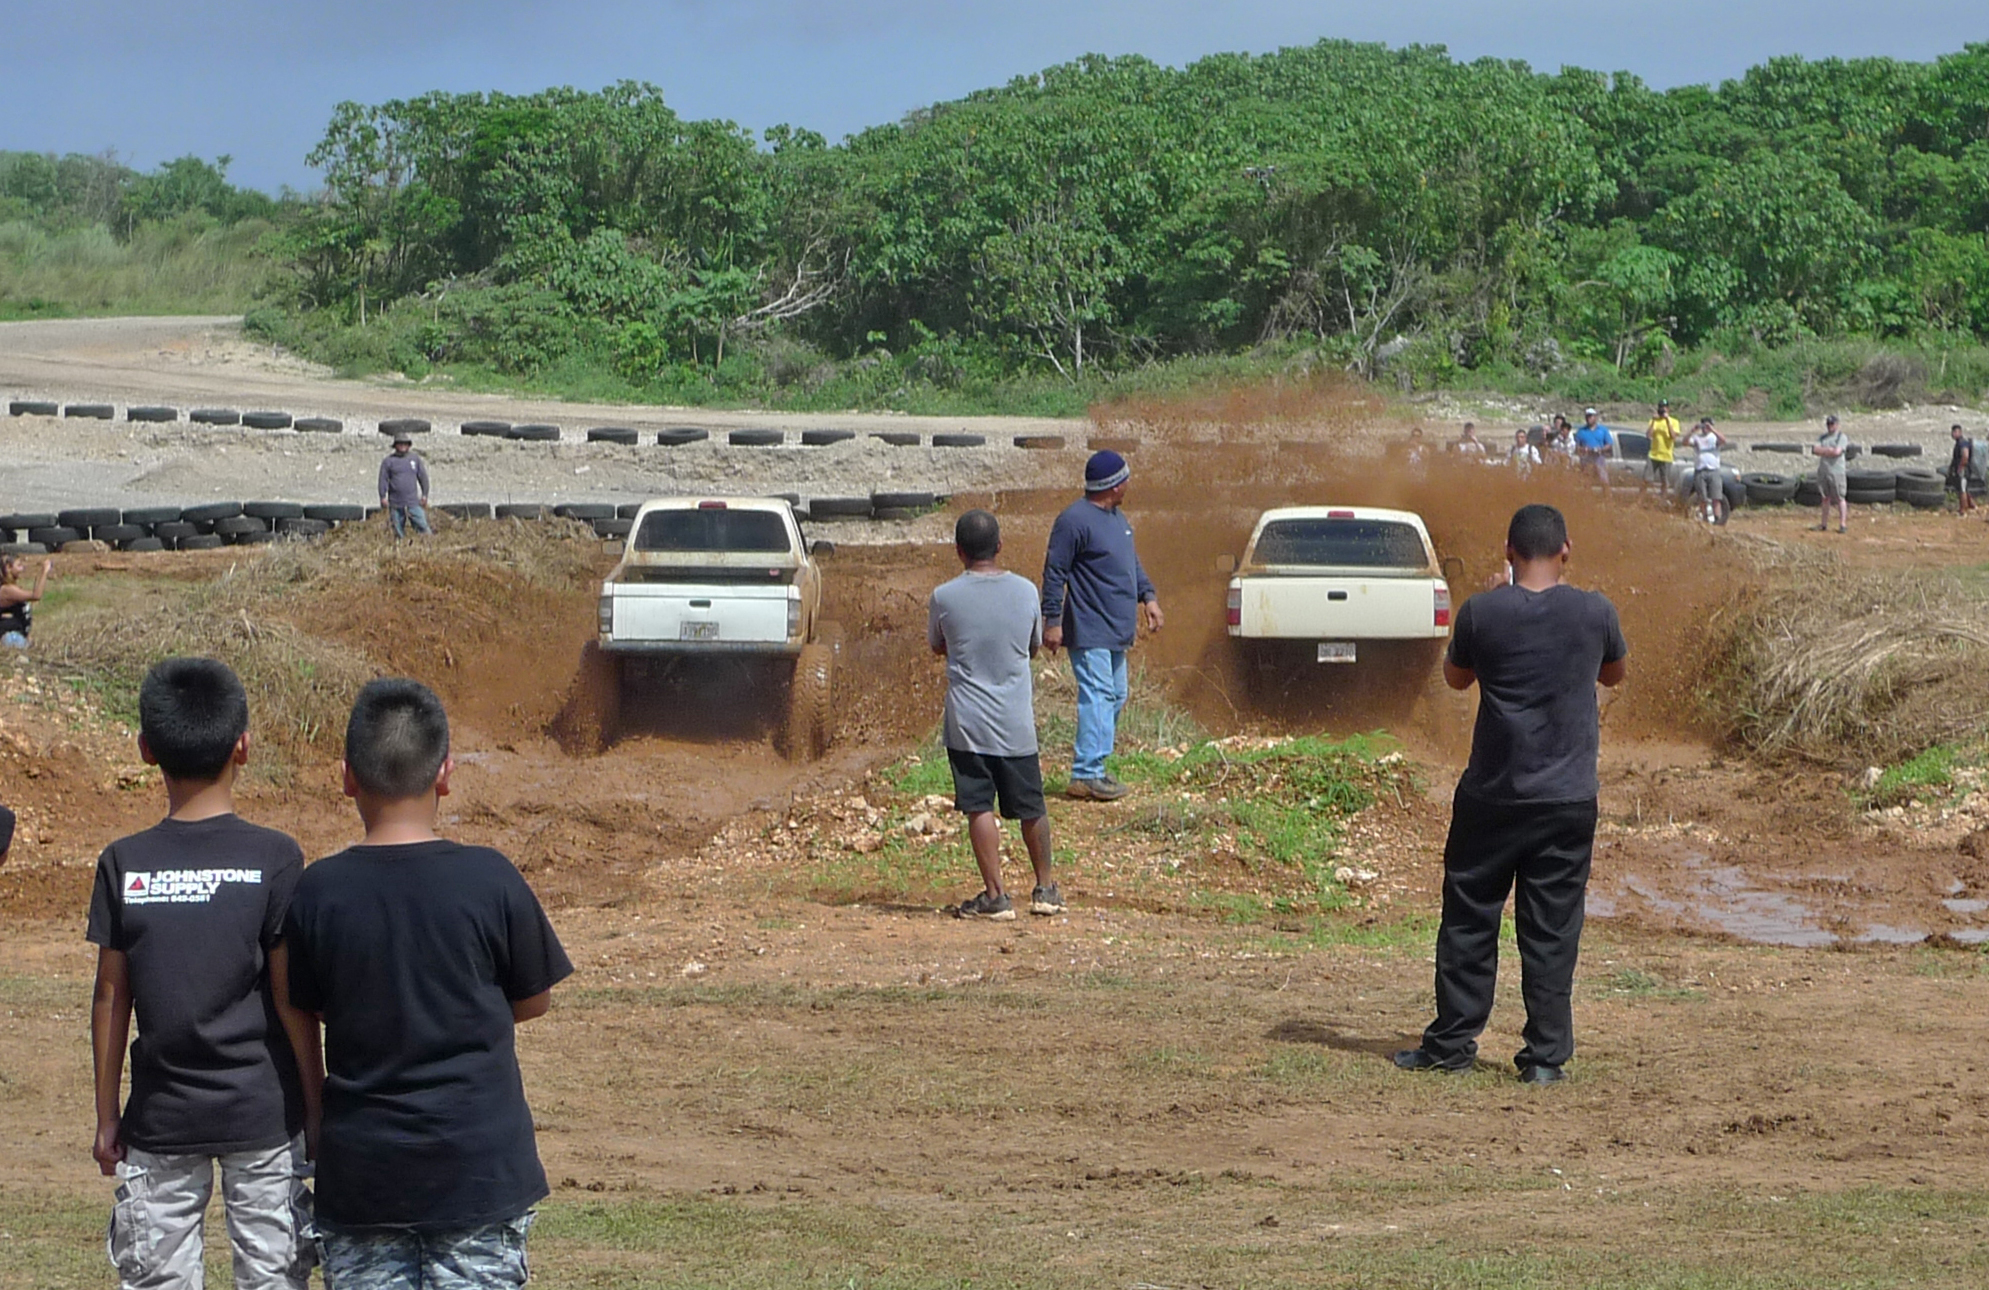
<point x="1053" y="638"/>
<point x="1155" y="620"/>
<point x="108" y="1151"/>
<point x="424" y="503"/>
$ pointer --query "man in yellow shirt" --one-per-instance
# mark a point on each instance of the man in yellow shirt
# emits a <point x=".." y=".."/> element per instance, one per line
<point x="1664" y="440"/>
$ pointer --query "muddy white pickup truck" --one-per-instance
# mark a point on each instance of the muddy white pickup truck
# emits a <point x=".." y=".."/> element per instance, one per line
<point x="728" y="584"/>
<point x="1331" y="579"/>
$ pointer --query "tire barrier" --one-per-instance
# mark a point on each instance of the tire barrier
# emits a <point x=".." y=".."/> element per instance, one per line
<point x="614" y="528"/>
<point x="488" y="429"/>
<point x="534" y="433"/>
<point x="319" y="425"/>
<point x="627" y="510"/>
<point x="612" y="434"/>
<point x="152" y="414"/>
<point x="90" y="411"/>
<point x="214" y="417"/>
<point x="897" y="438"/>
<point x="756" y="438"/>
<point x="589" y="511"/>
<point x="1777" y="447"/>
<point x="266" y="420"/>
<point x="1897" y="450"/>
<point x="404" y="425"/>
<point x="823" y="438"/>
<point x="680" y="436"/>
<point x="840" y="508"/>
<point x="32" y="408"/>
<point x="273" y="510"/>
<point x="1765" y="488"/>
<point x="959" y="440"/>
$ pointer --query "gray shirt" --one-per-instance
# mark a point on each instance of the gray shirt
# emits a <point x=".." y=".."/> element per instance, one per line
<point x="1832" y="466"/>
<point x="989" y="624"/>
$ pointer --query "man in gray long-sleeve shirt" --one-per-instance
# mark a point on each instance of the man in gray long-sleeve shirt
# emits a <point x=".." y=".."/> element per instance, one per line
<point x="404" y="488"/>
<point x="1094" y="592"/>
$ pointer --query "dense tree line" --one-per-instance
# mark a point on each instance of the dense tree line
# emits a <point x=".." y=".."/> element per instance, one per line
<point x="59" y="192"/>
<point x="1111" y="211"/>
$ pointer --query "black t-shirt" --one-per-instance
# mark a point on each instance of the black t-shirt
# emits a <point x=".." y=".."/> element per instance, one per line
<point x="6" y="830"/>
<point x="1536" y="654"/>
<point x="414" y="955"/>
<point x="196" y="906"/>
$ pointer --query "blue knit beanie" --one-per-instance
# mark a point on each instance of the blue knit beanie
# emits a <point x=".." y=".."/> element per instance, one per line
<point x="1106" y="469"/>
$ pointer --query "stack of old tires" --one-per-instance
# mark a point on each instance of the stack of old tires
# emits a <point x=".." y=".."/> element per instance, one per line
<point x="1766" y="488"/>
<point x="170" y="528"/>
<point x="1921" y="488"/>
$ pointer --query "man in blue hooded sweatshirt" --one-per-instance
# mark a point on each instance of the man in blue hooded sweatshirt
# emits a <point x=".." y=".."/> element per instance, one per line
<point x="1094" y="592"/>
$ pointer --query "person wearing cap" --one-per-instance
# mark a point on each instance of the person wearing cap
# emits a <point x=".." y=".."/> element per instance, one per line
<point x="1963" y="467"/>
<point x="404" y="488"/>
<point x="1830" y="450"/>
<point x="1663" y="432"/>
<point x="1592" y="446"/>
<point x="1094" y="595"/>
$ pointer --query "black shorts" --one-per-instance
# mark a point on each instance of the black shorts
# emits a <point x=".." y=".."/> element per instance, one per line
<point x="979" y="780"/>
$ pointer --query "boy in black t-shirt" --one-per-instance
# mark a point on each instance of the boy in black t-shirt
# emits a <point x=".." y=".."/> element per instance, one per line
<point x="188" y="918"/>
<point x="419" y="956"/>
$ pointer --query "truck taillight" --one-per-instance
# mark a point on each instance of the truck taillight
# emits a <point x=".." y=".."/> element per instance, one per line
<point x="1442" y="605"/>
<point x="607" y="615"/>
<point x="793" y="616"/>
<point x="1235" y="606"/>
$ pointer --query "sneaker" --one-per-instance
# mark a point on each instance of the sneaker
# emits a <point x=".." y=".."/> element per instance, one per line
<point x="996" y="909"/>
<point x="1421" y="1059"/>
<point x="1541" y="1075"/>
<point x="1079" y="789"/>
<point x="1046" y="900"/>
<point x="1102" y="789"/>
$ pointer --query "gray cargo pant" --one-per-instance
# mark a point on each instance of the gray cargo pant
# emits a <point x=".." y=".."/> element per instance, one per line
<point x="155" y="1226"/>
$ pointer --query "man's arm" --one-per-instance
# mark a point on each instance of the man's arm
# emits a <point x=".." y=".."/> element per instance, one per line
<point x="306" y="1041"/>
<point x="533" y="1008"/>
<point x="1149" y="598"/>
<point x="385" y="474"/>
<point x="110" y="1035"/>
<point x="1612" y="674"/>
<point x="421" y="478"/>
<point x="934" y="635"/>
<point x="1458" y="678"/>
<point x="1057" y="562"/>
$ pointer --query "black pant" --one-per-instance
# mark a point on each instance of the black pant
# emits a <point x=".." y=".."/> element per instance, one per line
<point x="1546" y="848"/>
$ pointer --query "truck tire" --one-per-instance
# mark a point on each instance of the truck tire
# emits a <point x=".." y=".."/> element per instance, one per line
<point x="90" y="517"/>
<point x="90" y="411"/>
<point x="902" y="501"/>
<point x="174" y="532"/>
<point x="488" y="429"/>
<point x="822" y="438"/>
<point x="142" y="544"/>
<point x="303" y="528"/>
<point x="612" y="434"/>
<point x="29" y="520"/>
<point x="208" y="512"/>
<point x="151" y="515"/>
<point x="1778" y="447"/>
<point x="53" y="536"/>
<point x="756" y="438"/>
<point x="318" y="425"/>
<point x="32" y="408"/>
<point x="240" y="526"/>
<point x="585" y="510"/>
<point x="200" y="542"/>
<point x="404" y="425"/>
<point x="804" y="735"/>
<point x="613" y="528"/>
<point x="897" y="438"/>
<point x="214" y="417"/>
<point x="119" y="534"/>
<point x="266" y="420"/>
<point x="335" y="513"/>
<point x="628" y="510"/>
<point x="837" y="508"/>
<point x="274" y="510"/>
<point x="680" y="436"/>
<point x="1765" y="488"/>
<point x="959" y="440"/>
<point x="1896" y="450"/>
<point x="151" y="414"/>
<point x="537" y="432"/>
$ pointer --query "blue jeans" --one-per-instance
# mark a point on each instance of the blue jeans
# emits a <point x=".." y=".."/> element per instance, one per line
<point x="395" y="1258"/>
<point x="402" y="516"/>
<point x="1101" y="692"/>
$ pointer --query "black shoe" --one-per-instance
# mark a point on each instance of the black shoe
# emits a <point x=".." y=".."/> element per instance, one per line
<point x="1541" y="1075"/>
<point x="997" y="909"/>
<point x="1420" y="1059"/>
<point x="1046" y="900"/>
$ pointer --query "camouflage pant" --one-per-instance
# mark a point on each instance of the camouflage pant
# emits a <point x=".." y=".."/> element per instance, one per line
<point x="395" y="1258"/>
<point x="155" y="1226"/>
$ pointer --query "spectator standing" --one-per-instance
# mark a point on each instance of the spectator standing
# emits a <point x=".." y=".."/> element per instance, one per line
<point x="1561" y="443"/>
<point x="1469" y="444"/>
<point x="1962" y="469"/>
<point x="6" y="833"/>
<point x="1524" y="812"/>
<point x="17" y="600"/>
<point x="1663" y="432"/>
<point x="1707" y="484"/>
<point x="985" y="624"/>
<point x="1523" y="456"/>
<point x="1592" y="447"/>
<point x="1830" y="449"/>
<point x="404" y="487"/>
<point x="420" y="957"/>
<point x="1094" y="596"/>
<point x="187" y="918"/>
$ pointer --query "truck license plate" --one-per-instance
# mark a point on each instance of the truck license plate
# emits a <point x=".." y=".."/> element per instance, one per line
<point x="698" y="632"/>
<point x="1336" y="651"/>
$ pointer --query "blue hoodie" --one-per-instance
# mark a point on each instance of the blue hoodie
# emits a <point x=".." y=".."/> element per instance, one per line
<point x="1092" y="580"/>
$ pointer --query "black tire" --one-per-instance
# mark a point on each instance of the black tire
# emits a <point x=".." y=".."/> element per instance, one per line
<point x="266" y="420"/>
<point x="1808" y="493"/>
<point x="895" y="513"/>
<point x="1870" y="481"/>
<point x="959" y="440"/>
<point x="1778" y="447"/>
<point x="251" y="539"/>
<point x="755" y="438"/>
<point x="838" y="508"/>
<point x="1040" y="442"/>
<point x="214" y="417"/>
<point x="823" y="438"/>
<point x="22" y="548"/>
<point x="680" y="436"/>
<point x="1853" y="451"/>
<point x="1919" y="477"/>
<point x="628" y="510"/>
<point x="303" y="528"/>
<point x="53" y="536"/>
<point x="804" y="734"/>
<point x="152" y="414"/>
<point x="521" y="511"/>
<point x="490" y="429"/>
<point x="90" y="411"/>
<point x="1897" y="450"/>
<point x="151" y="515"/>
<point x="897" y="438"/>
<point x="1767" y="489"/>
<point x="90" y="517"/>
<point x="616" y="528"/>
<point x="467" y="510"/>
<point x="119" y="533"/>
<point x="585" y="510"/>
<point x="29" y="520"/>
<point x="612" y="434"/>
<point x="902" y="501"/>
<point x="201" y="542"/>
<point x="538" y="432"/>
<point x="237" y="525"/>
<point x="319" y="425"/>
<point x="1870" y="496"/>
<point x="208" y="512"/>
<point x="1924" y="499"/>
<point x="32" y="408"/>
<point x="175" y="531"/>
<point x="142" y="544"/>
<point x="274" y="510"/>
<point x="335" y="513"/>
<point x="404" y="425"/>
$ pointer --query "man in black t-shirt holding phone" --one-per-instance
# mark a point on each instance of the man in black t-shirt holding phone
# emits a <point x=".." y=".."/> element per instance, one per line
<point x="1523" y="817"/>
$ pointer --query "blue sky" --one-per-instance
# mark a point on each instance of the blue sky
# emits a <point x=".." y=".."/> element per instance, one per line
<point x="258" y="80"/>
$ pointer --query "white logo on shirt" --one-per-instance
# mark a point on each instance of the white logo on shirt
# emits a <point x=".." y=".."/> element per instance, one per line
<point x="182" y="886"/>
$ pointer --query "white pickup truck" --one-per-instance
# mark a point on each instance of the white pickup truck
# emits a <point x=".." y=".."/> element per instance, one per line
<point x="729" y="581"/>
<point x="1333" y="577"/>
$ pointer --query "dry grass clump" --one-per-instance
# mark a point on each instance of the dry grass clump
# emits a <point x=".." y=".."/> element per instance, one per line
<point x="257" y="618"/>
<point x="1831" y="665"/>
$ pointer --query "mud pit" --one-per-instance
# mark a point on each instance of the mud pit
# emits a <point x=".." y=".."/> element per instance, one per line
<point x="780" y="1090"/>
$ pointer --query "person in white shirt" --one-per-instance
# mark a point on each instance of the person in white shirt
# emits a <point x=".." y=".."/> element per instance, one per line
<point x="1469" y="444"/>
<point x="1707" y="485"/>
<point x="1523" y="456"/>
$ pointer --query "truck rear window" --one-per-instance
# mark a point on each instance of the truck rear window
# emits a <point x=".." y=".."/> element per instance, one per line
<point x="1346" y="544"/>
<point x="703" y="530"/>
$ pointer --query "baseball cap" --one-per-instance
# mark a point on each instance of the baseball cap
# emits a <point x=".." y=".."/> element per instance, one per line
<point x="1590" y="412"/>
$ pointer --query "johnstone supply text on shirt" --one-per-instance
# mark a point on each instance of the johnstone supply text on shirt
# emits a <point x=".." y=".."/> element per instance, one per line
<point x="182" y="886"/>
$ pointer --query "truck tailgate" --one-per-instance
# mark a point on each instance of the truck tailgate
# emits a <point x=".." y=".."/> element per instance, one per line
<point x="1328" y="608"/>
<point x="684" y="611"/>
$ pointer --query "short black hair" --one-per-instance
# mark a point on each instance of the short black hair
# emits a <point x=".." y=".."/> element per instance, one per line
<point x="978" y="535"/>
<point x="397" y="738"/>
<point x="191" y="713"/>
<point x="1537" y="532"/>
